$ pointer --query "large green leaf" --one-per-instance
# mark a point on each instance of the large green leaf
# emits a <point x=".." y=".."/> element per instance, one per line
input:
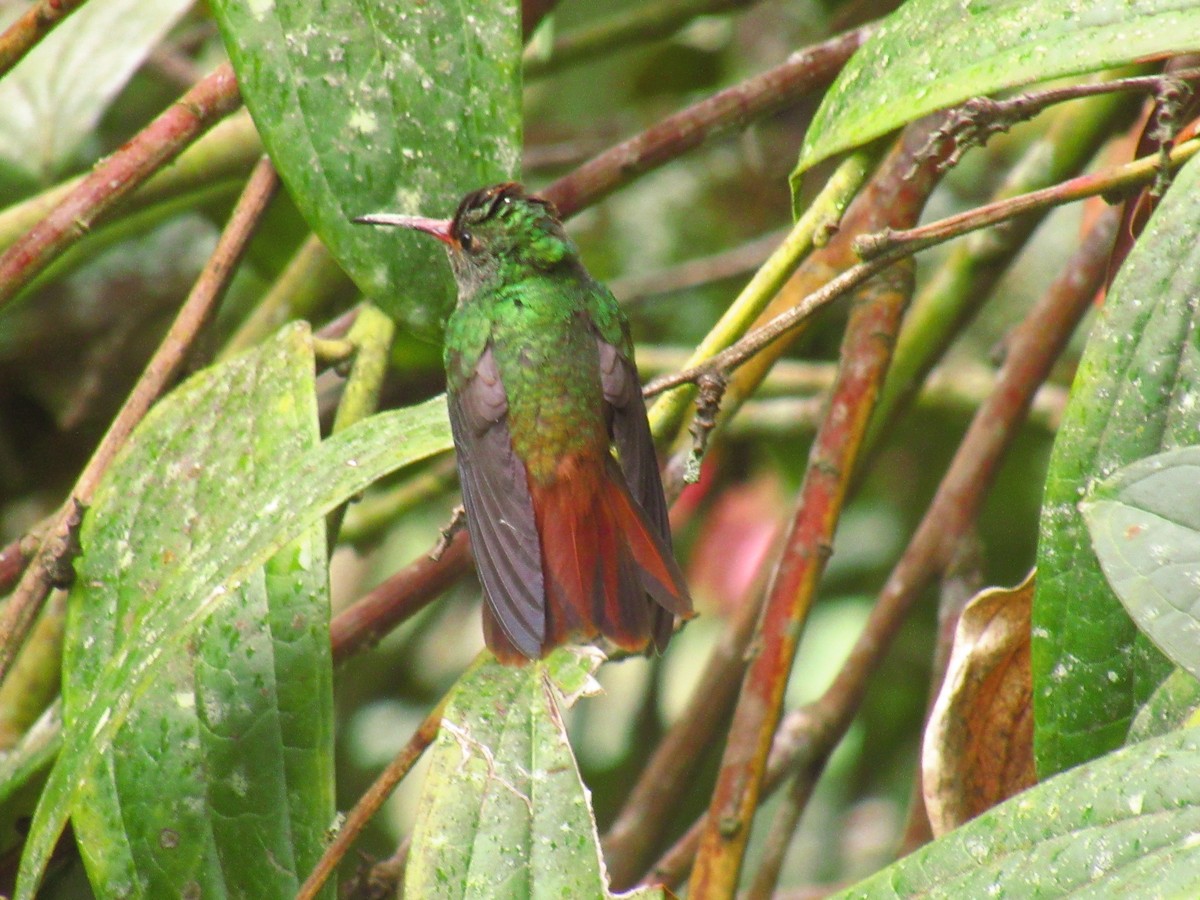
<point x="931" y="54"/>
<point x="1134" y="395"/>
<point x="221" y="780"/>
<point x="51" y="101"/>
<point x="374" y="105"/>
<point x="1122" y="826"/>
<point x="266" y="491"/>
<point x="1145" y="526"/>
<point x="503" y="812"/>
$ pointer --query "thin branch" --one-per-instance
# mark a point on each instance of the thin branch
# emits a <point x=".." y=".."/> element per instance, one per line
<point x="641" y="24"/>
<point x="764" y="288"/>
<point x="308" y="281"/>
<point x="966" y="279"/>
<point x="370" y="802"/>
<point x="807" y="736"/>
<point x="866" y="352"/>
<point x="1111" y="181"/>
<point x="731" y="108"/>
<point x="116" y="176"/>
<point x="971" y="124"/>
<point x="16" y="556"/>
<point x="901" y="199"/>
<point x="366" y="622"/>
<point x="34" y="24"/>
<point x="886" y="247"/>
<point x="749" y="346"/>
<point x="808" y="739"/>
<point x="40" y="575"/>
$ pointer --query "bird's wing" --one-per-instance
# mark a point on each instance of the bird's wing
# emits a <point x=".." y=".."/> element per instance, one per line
<point x="631" y="434"/>
<point x="504" y="536"/>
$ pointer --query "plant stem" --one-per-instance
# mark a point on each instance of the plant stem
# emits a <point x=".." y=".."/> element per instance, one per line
<point x="116" y="176"/>
<point x="34" y="24"/>
<point x="639" y="25"/>
<point x="44" y="569"/>
<point x="310" y="278"/>
<point x="808" y="736"/>
<point x="687" y="129"/>
<point x="227" y="152"/>
<point x="370" y="802"/>
<point x="668" y="411"/>
<point x="966" y="279"/>
<point x="363" y="624"/>
<point x="866" y="351"/>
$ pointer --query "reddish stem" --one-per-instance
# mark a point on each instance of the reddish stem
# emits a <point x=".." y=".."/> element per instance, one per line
<point x="731" y="108"/>
<point x="116" y="176"/>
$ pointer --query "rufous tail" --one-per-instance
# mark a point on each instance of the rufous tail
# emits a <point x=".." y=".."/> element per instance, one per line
<point x="606" y="569"/>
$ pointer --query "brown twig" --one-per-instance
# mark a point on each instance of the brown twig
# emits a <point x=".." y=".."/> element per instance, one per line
<point x="638" y="25"/>
<point x="1035" y="345"/>
<point x="1107" y="182"/>
<point x="888" y="197"/>
<point x="886" y="247"/>
<point x="370" y="802"/>
<point x="753" y="343"/>
<point x="971" y="124"/>
<point x="16" y="556"/>
<point x="26" y="601"/>
<point x="34" y="24"/>
<point x="116" y="176"/>
<point x="408" y="591"/>
<point x="670" y="773"/>
<point x="866" y="352"/>
<point x="807" y="736"/>
<point x="731" y="108"/>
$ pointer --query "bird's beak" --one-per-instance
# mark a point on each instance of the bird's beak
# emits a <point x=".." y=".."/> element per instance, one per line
<point x="439" y="228"/>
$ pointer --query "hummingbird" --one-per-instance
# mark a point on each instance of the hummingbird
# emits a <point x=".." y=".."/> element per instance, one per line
<point x="571" y="543"/>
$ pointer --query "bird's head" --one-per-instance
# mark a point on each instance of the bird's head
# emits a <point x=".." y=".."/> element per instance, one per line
<point x="497" y="233"/>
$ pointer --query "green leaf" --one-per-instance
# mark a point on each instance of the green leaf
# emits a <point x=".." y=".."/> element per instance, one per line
<point x="374" y="105"/>
<point x="1122" y="826"/>
<point x="1133" y="396"/>
<point x="221" y="779"/>
<point x="1145" y="527"/>
<point x="931" y="54"/>
<point x="51" y="101"/>
<point x="259" y="511"/>
<point x="1169" y="708"/>
<point x="503" y="811"/>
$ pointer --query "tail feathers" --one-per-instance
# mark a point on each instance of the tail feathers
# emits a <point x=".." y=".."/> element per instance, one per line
<point x="606" y="570"/>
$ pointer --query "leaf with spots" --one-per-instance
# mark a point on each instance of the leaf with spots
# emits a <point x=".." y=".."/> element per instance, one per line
<point x="503" y="811"/>
<point x="1134" y="395"/>
<point x="196" y="755"/>
<point x="376" y="106"/>
<point x="1145" y="527"/>
<point x="931" y="54"/>
<point x="1124" y="825"/>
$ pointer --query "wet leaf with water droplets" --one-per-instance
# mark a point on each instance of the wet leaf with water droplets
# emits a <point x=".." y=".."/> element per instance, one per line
<point x="1113" y="827"/>
<point x="931" y="54"/>
<point x="377" y="106"/>
<point x="172" y="613"/>
<point x="1145" y="527"/>
<point x="1092" y="669"/>
<point x="503" y="812"/>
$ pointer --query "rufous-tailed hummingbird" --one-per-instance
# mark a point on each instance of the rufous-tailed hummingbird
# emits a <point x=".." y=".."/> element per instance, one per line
<point x="569" y="543"/>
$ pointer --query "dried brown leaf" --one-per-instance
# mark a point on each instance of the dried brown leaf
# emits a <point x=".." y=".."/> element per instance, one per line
<point x="979" y="742"/>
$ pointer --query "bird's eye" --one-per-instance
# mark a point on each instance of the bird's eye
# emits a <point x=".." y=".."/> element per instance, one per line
<point x="466" y="240"/>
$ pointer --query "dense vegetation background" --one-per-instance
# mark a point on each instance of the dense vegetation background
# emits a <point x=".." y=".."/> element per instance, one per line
<point x="846" y="492"/>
